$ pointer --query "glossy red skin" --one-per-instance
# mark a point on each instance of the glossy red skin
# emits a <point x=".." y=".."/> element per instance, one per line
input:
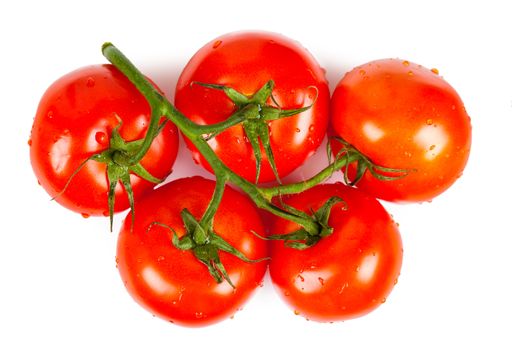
<point x="350" y="272"/>
<point x="74" y="120"/>
<point x="246" y="61"/>
<point x="171" y="283"/>
<point x="402" y="115"/>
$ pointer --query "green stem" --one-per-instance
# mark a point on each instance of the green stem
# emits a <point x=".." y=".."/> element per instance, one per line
<point x="207" y="219"/>
<point x="162" y="107"/>
<point x="298" y="187"/>
<point x="152" y="95"/>
<point x="238" y="117"/>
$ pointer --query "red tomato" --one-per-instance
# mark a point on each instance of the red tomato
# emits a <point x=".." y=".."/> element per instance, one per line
<point x="172" y="283"/>
<point x="75" y="119"/>
<point x="246" y="61"/>
<point x="402" y="115"/>
<point x="346" y="274"/>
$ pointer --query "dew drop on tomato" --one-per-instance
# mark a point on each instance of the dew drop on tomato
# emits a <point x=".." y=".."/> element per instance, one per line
<point x="101" y="138"/>
<point x="90" y="82"/>
<point x="217" y="44"/>
<point x="85" y="215"/>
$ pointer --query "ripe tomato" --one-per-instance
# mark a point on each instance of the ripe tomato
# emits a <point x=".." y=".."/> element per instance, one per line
<point x="246" y="61"/>
<point x="346" y="274"/>
<point x="172" y="283"/>
<point x="402" y="115"/>
<point x="75" y="119"/>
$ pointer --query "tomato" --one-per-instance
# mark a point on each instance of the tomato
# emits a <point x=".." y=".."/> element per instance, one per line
<point x="346" y="274"/>
<point x="75" y="119"/>
<point x="172" y="283"/>
<point x="246" y="61"/>
<point x="405" y="116"/>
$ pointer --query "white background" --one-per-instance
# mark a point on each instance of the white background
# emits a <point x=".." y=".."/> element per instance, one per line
<point x="59" y="288"/>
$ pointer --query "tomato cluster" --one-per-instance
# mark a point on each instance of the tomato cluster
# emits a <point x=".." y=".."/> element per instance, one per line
<point x="192" y="251"/>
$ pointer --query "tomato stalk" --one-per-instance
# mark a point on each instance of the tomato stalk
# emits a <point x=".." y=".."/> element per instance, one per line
<point x="261" y="196"/>
<point x="253" y="113"/>
<point x="195" y="132"/>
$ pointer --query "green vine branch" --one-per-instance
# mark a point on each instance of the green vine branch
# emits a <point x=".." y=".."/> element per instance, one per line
<point x="253" y="113"/>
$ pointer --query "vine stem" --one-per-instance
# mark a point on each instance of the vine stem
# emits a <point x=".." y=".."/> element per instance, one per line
<point x="297" y="187"/>
<point x="161" y="107"/>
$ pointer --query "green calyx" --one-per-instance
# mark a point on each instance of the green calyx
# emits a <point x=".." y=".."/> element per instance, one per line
<point x="119" y="161"/>
<point x="364" y="164"/>
<point x="257" y="114"/>
<point x="205" y="244"/>
<point x="302" y="238"/>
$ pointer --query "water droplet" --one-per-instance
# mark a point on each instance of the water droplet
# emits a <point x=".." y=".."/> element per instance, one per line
<point x="50" y="115"/>
<point x="311" y="128"/>
<point x="432" y="147"/>
<point x="406" y="63"/>
<point x="85" y="215"/>
<point x="90" y="82"/>
<point x="362" y="72"/>
<point x="217" y="43"/>
<point x="383" y="300"/>
<point x="297" y="130"/>
<point x="430" y="121"/>
<point x="410" y="73"/>
<point x="286" y="294"/>
<point x="296" y="312"/>
<point x="357" y="268"/>
<point x="395" y="281"/>
<point x="238" y="140"/>
<point x="101" y="138"/>
<point x="342" y="289"/>
<point x="199" y="314"/>
<point x="106" y="213"/>
<point x="435" y="71"/>
<point x="271" y="42"/>
<point x="160" y="258"/>
<point x="29" y="142"/>
<point x="321" y="280"/>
